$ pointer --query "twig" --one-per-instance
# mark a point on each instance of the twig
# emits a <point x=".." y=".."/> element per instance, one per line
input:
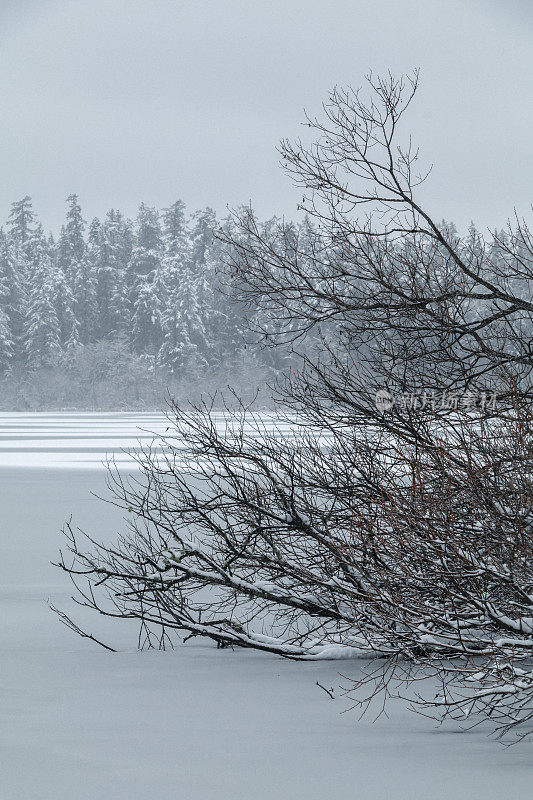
<point x="327" y="691"/>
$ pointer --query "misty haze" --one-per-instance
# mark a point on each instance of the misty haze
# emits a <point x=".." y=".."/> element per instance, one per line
<point x="266" y="399"/>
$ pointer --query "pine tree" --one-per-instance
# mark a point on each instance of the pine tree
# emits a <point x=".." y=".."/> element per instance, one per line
<point x="167" y="281"/>
<point x="13" y="299"/>
<point x="21" y="221"/>
<point x="43" y="329"/>
<point x="147" y="250"/>
<point x="228" y="318"/>
<point x="202" y="238"/>
<point x="84" y="300"/>
<point x="64" y="307"/>
<point x="286" y="237"/>
<point x="49" y="320"/>
<point x="143" y="278"/>
<point x="110" y="251"/>
<point x="185" y="338"/>
<point x="73" y="260"/>
<point x="6" y="340"/>
<point x="71" y="246"/>
<point x="187" y="319"/>
<point x="175" y="233"/>
<point x="176" y="252"/>
<point x="21" y="233"/>
<point x="146" y="318"/>
<point x="7" y="349"/>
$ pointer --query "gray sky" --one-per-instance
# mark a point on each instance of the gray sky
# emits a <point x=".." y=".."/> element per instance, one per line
<point x="125" y="101"/>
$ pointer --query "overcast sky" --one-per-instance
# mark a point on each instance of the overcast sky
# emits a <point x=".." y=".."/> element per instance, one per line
<point x="123" y="101"/>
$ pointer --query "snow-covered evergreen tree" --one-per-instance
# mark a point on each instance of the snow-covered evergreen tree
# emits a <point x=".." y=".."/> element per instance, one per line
<point x="43" y="328"/>
<point x="229" y="319"/>
<point x="7" y="349"/>
<point x="83" y="289"/>
<point x="175" y="232"/>
<point x="147" y="250"/>
<point x="13" y="297"/>
<point x="21" y="221"/>
<point x="146" y="317"/>
<point x="6" y="340"/>
<point x="202" y="238"/>
<point x="188" y="317"/>
<point x="110" y="252"/>
<point x="21" y="237"/>
<point x="71" y="245"/>
<point x="186" y="344"/>
<point x="143" y="278"/>
<point x="78" y="269"/>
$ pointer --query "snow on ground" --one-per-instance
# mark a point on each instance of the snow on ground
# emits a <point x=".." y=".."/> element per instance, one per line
<point x="83" y="440"/>
<point x="79" y="723"/>
<point x="74" y="440"/>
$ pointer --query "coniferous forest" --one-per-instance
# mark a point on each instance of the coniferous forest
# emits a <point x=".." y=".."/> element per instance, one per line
<point x="117" y="312"/>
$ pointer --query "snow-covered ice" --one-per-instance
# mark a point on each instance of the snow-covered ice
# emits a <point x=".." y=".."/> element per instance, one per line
<point x="80" y="723"/>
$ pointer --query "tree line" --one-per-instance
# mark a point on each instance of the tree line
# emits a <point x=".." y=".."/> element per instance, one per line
<point x="154" y="284"/>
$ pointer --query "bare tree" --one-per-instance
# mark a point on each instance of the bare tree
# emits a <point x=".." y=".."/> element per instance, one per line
<point x="344" y="526"/>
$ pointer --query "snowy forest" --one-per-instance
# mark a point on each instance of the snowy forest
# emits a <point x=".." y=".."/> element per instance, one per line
<point x="116" y="312"/>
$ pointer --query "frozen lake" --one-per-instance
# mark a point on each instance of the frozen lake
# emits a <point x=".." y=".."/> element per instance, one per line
<point x="74" y="440"/>
<point x="80" y="723"/>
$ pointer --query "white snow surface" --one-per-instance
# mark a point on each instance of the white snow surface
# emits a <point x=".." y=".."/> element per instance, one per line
<point x="80" y="723"/>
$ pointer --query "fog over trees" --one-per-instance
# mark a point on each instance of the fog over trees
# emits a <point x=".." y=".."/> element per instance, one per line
<point x="135" y="304"/>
